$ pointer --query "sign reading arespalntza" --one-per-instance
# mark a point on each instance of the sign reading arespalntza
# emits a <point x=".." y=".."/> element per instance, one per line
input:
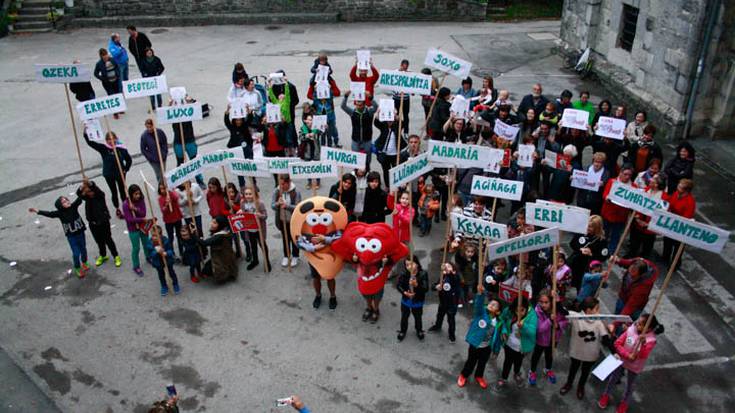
<point x="406" y="82"/>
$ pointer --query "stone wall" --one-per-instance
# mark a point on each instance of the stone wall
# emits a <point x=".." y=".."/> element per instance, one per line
<point x="348" y="10"/>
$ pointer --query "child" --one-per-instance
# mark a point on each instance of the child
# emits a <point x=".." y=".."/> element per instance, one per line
<point x="309" y="146"/>
<point x="376" y="201"/>
<point x="563" y="276"/>
<point x="591" y="282"/>
<point x="449" y="290"/>
<point x="171" y="211"/>
<point x="633" y="347"/>
<point x="502" y="100"/>
<point x="285" y="198"/>
<point x="517" y="326"/>
<point x="344" y="191"/>
<point x="402" y="216"/>
<point x="74" y="228"/>
<point x="160" y="248"/>
<point x="550" y="115"/>
<point x="428" y="205"/>
<point x="361" y="185"/>
<point x="545" y="321"/>
<point x="482" y="338"/>
<point x="413" y="285"/>
<point x="98" y="217"/>
<point x="191" y="192"/>
<point x="134" y="212"/>
<point x="525" y="280"/>
<point x="222" y="266"/>
<point x="233" y="201"/>
<point x="249" y="204"/>
<point x="494" y="275"/>
<point x="216" y="199"/>
<point x="467" y="262"/>
<point x="191" y="255"/>
<point x="585" y="342"/>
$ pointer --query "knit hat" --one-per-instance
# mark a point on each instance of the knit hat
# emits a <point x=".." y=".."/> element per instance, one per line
<point x="595" y="263"/>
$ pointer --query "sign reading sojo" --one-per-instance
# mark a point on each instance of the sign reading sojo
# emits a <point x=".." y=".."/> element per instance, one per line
<point x="146" y="86"/>
<point x="409" y="170"/>
<point x="478" y="228"/>
<point x="179" y="113"/>
<point x="344" y="158"/>
<point x="688" y="231"/>
<point x="406" y="82"/>
<point x="72" y="73"/>
<point x="497" y="188"/>
<point x="531" y="242"/>
<point x="564" y="217"/>
<point x="447" y="63"/>
<point x="97" y="108"/>
<point x="312" y="170"/>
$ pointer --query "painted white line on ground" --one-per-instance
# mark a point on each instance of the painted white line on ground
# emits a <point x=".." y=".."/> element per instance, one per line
<point x="700" y="362"/>
<point x="717" y="297"/>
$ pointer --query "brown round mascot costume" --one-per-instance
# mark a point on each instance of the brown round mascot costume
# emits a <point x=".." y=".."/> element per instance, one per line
<point x="317" y="222"/>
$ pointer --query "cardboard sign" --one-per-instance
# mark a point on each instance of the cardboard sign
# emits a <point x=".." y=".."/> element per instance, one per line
<point x="357" y="90"/>
<point x="495" y="160"/>
<point x="505" y="131"/>
<point x="581" y="180"/>
<point x="509" y="294"/>
<point x="610" y="128"/>
<point x="563" y="217"/>
<point x="606" y="367"/>
<point x="312" y="170"/>
<point x="93" y="129"/>
<point x="243" y="221"/>
<point x="322" y="74"/>
<point x="198" y="165"/>
<point x="178" y="94"/>
<point x="343" y="157"/>
<point x="239" y="109"/>
<point x="497" y="188"/>
<point x="557" y="160"/>
<point x="272" y="113"/>
<point x="460" y="107"/>
<point x="179" y="113"/>
<point x="447" y="63"/>
<point x="277" y="78"/>
<point x="406" y="82"/>
<point x="575" y="119"/>
<point x="97" y="108"/>
<point x="459" y="154"/>
<point x="363" y="59"/>
<point x="633" y="198"/>
<point x="71" y="73"/>
<point x="600" y="317"/>
<point x="279" y="165"/>
<point x="478" y="228"/>
<point x="320" y="122"/>
<point x="525" y="155"/>
<point x="530" y="242"/>
<point x="146" y="86"/>
<point x="386" y="110"/>
<point x="322" y="90"/>
<point x="688" y="231"/>
<point x="408" y="171"/>
<point x="249" y="167"/>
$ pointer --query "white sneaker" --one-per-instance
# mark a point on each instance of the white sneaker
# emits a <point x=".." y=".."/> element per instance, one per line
<point x="294" y="261"/>
<point x="284" y="262"/>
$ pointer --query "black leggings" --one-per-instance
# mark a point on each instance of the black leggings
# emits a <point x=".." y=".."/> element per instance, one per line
<point x="254" y="241"/>
<point x="387" y="162"/>
<point x="116" y="186"/>
<point x="288" y="241"/>
<point x="476" y="360"/>
<point x="512" y="358"/>
<point x="406" y="312"/>
<point x="174" y="228"/>
<point x="536" y="356"/>
<point x="103" y="238"/>
<point x="450" y="310"/>
<point x="574" y="366"/>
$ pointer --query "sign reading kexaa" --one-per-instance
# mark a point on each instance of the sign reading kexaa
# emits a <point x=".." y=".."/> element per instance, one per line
<point x="97" y="108"/>
<point x="478" y="228"/>
<point x="72" y="73"/>
<point x="179" y="113"/>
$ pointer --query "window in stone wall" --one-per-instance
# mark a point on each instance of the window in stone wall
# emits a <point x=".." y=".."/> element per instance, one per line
<point x="628" y="23"/>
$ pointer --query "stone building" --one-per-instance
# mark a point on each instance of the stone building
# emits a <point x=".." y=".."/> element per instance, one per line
<point x="673" y="58"/>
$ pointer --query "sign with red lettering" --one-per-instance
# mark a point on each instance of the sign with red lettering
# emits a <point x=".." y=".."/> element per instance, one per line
<point x="509" y="294"/>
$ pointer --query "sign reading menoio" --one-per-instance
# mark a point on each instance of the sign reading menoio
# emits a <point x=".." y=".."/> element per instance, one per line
<point x="688" y="231"/>
<point x="146" y="86"/>
<point x="344" y="158"/>
<point x="97" y="108"/>
<point x="531" y="242"/>
<point x="447" y="63"/>
<point x="179" y="113"/>
<point x="63" y="73"/>
<point x="409" y="170"/>
<point x="478" y="228"/>
<point x="497" y="188"/>
<point x="406" y="82"/>
<point x="249" y="167"/>
<point x="312" y="170"/>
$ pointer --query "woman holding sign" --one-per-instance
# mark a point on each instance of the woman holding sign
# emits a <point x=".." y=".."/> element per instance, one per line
<point x="586" y="248"/>
<point x="150" y="66"/>
<point x="114" y="173"/>
<point x="681" y="203"/>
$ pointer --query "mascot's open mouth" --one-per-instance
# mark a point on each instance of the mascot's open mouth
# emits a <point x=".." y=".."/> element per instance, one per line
<point x="362" y="269"/>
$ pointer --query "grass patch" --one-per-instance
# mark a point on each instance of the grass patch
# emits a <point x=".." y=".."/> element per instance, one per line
<point x="531" y="9"/>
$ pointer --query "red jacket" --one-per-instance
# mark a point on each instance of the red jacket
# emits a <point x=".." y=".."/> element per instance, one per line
<point x="612" y="212"/>
<point x="332" y="85"/>
<point x="369" y="82"/>
<point x="401" y="220"/>
<point x="682" y="205"/>
<point x="217" y="205"/>
<point x="634" y="293"/>
<point x="170" y="214"/>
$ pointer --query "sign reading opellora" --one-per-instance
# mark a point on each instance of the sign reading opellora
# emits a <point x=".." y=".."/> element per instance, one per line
<point x="688" y="231"/>
<point x="189" y="170"/>
<point x="497" y="188"/>
<point x="72" y="73"/>
<point x="406" y="82"/>
<point x="344" y="158"/>
<point x="409" y="170"/>
<point x="97" y="108"/>
<point x="179" y="113"/>
<point x="531" y="242"/>
<point x="145" y="86"/>
<point x="312" y="170"/>
<point x="478" y="228"/>
<point x="459" y="154"/>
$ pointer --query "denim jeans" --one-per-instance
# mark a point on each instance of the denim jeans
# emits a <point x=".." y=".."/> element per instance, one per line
<point x="191" y="153"/>
<point x="171" y="273"/>
<point x="123" y="74"/>
<point x="154" y="99"/>
<point x="78" y="244"/>
<point x="366" y="148"/>
<point x="614" y="231"/>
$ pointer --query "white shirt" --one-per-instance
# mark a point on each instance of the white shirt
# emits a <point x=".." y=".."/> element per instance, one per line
<point x="196" y="197"/>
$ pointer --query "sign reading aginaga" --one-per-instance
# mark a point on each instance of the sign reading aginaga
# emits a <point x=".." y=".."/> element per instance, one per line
<point x="409" y="170"/>
<point x="406" y="82"/>
<point x="97" y="108"/>
<point x="497" y="188"/>
<point x="72" y="73"/>
<point x="179" y="113"/>
<point x="688" y="231"/>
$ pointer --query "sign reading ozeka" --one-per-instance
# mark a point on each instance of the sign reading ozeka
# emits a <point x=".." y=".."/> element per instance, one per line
<point x="635" y="199"/>
<point x="344" y="158"/>
<point x="189" y="170"/>
<point x="145" y="86"/>
<point x="249" y="167"/>
<point x="688" y="231"/>
<point x="447" y="63"/>
<point x="279" y="165"/>
<point x="406" y="82"/>
<point x="478" y="228"/>
<point x="409" y="170"/>
<point x="563" y="217"/>
<point x="179" y="113"/>
<point x="496" y="188"/>
<point x="312" y="170"/>
<point x="531" y="242"/>
<point x="458" y="154"/>
<point x="97" y="108"/>
<point x="63" y="73"/>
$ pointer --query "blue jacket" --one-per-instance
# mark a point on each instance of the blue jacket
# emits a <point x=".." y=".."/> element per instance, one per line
<point x="156" y="257"/>
<point x="481" y="318"/>
<point x="118" y="52"/>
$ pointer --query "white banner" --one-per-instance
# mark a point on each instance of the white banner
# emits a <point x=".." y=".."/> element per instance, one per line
<point x="386" y="110"/>
<point x="460" y="107"/>
<point x="633" y="198"/>
<point x="409" y="170"/>
<point x="688" y="231"/>
<point x="494" y="160"/>
<point x="343" y="157"/>
<point x="179" y="113"/>
<point x="505" y="131"/>
<point x="145" y="86"/>
<point x="189" y="170"/>
<point x="575" y="119"/>
<point x="279" y="165"/>
<point x="178" y="94"/>
<point x="564" y="217"/>
<point x="525" y="155"/>
<point x="610" y="127"/>
<point x="272" y="113"/>
<point x="459" y="154"/>
<point x="531" y="242"/>
<point x="72" y="73"/>
<point x="406" y="82"/>
<point x="322" y="90"/>
<point x="497" y="188"/>
<point x="249" y="167"/>
<point x="447" y="63"/>
<point x="478" y="228"/>
<point x="363" y="59"/>
<point x="312" y="170"/>
<point x="357" y="90"/>
<point x="97" y="108"/>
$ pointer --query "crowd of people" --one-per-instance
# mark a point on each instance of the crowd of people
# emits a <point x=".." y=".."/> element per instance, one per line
<point x="526" y="324"/>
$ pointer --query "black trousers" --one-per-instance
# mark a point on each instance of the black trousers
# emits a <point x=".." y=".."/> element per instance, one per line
<point x="512" y="359"/>
<point x="641" y="245"/>
<point x="254" y="241"/>
<point x="387" y="162"/>
<point x="536" y="356"/>
<point x="670" y="247"/>
<point x="574" y="366"/>
<point x="162" y="275"/>
<point x="174" y="228"/>
<point x="287" y="241"/>
<point x="406" y="110"/>
<point x="116" y="187"/>
<point x="103" y="238"/>
<point x="450" y="310"/>
<point x="477" y="358"/>
<point x="406" y="311"/>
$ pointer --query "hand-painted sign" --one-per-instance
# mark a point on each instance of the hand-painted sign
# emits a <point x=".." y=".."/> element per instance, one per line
<point x="72" y="73"/>
<point x="409" y="170"/>
<point x="635" y="199"/>
<point x="406" y="82"/>
<point x="447" y="63"/>
<point x="610" y="127"/>
<point x="496" y="188"/>
<point x="688" y="231"/>
<point x="343" y="157"/>
<point x="312" y="170"/>
<point x="478" y="228"/>
<point x="179" y="113"/>
<point x="145" y="86"/>
<point x="563" y="217"/>
<point x="97" y="108"/>
<point x="530" y="242"/>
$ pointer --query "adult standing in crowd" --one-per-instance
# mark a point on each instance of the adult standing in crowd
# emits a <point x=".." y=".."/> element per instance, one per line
<point x="361" y="118"/>
<point x="150" y="66"/>
<point x="148" y="148"/>
<point x="406" y="99"/>
<point x="681" y="203"/>
<point x="681" y="166"/>
<point x="120" y="56"/>
<point x="535" y="100"/>
<point x="138" y="42"/>
<point x="82" y="90"/>
<point x="293" y="100"/>
<point x="108" y="73"/>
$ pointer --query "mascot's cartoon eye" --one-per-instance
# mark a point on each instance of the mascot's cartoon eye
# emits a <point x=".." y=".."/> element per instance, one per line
<point x="312" y="219"/>
<point x="374" y="245"/>
<point x="325" y="219"/>
<point x="361" y="244"/>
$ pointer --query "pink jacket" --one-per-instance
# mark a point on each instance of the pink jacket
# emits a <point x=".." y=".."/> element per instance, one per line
<point x="402" y="222"/>
<point x="625" y="346"/>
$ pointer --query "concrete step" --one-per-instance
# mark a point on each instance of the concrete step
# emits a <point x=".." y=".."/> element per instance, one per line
<point x="23" y="26"/>
<point x="32" y="18"/>
<point x="205" y="19"/>
<point x="33" y="11"/>
<point x="36" y="3"/>
<point x="29" y="31"/>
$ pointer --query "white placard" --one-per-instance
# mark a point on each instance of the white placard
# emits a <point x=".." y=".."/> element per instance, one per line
<point x="505" y="131"/>
<point x="497" y="188"/>
<point x="363" y="59"/>
<point x="357" y="90"/>
<point x="688" y="231"/>
<point x="249" y="167"/>
<point x="524" y="243"/>
<point x="277" y="78"/>
<point x="189" y="170"/>
<point x="322" y="90"/>
<point x="97" y="108"/>
<point x="322" y="74"/>
<point x="178" y="94"/>
<point x="633" y="198"/>
<point x="179" y="113"/>
<point x="460" y="107"/>
<point x="447" y="63"/>
<point x="343" y="157"/>
<point x="272" y="113"/>
<point x="279" y="165"/>
<point x="575" y="119"/>
<point x="239" y="109"/>
<point x="600" y="317"/>
<point x="406" y="82"/>
<point x="478" y="228"/>
<point x="386" y="110"/>
<point x="71" y="73"/>
<point x="581" y="180"/>
<point x="563" y="217"/>
<point x="525" y="155"/>
<point x="606" y="367"/>
<point x="145" y="86"/>
<point x="319" y="122"/>
<point x="93" y="129"/>
<point x="459" y="154"/>
<point x="610" y="128"/>
<point x="312" y="170"/>
<point x="494" y="160"/>
<point x="409" y="170"/>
